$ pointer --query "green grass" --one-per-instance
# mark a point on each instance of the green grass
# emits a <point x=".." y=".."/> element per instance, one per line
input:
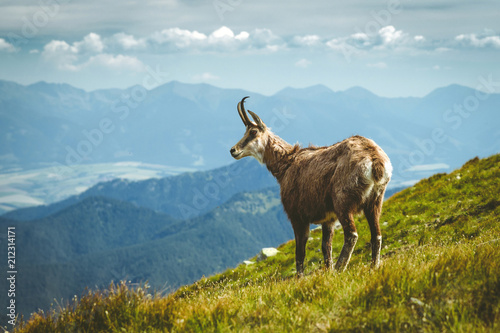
<point x="440" y="272"/>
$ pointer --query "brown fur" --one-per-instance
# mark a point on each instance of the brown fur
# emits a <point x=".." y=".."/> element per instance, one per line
<point x="322" y="184"/>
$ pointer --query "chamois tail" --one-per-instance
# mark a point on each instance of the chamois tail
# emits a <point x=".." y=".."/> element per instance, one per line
<point x="381" y="170"/>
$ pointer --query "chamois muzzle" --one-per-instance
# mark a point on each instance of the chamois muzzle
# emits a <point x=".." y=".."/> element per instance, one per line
<point x="234" y="153"/>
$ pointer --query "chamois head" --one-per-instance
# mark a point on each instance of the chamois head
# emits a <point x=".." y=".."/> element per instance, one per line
<point x="254" y="141"/>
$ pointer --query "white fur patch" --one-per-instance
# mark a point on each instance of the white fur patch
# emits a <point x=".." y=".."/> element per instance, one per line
<point x="367" y="169"/>
<point x="379" y="238"/>
<point x="387" y="170"/>
<point x="367" y="166"/>
<point x="368" y="191"/>
<point x="257" y="149"/>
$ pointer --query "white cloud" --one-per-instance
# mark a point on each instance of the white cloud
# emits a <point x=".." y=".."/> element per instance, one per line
<point x="386" y="38"/>
<point x="391" y="36"/>
<point x="478" y="41"/>
<point x="6" y="46"/>
<point x="221" y="33"/>
<point x="180" y="38"/>
<point x="58" y="46"/>
<point x="266" y="39"/>
<point x="62" y="54"/>
<point x="227" y="35"/>
<point x="360" y="39"/>
<point x="128" y="42"/>
<point x="85" y="53"/>
<point x="225" y="39"/>
<point x="242" y="35"/>
<point x="308" y="41"/>
<point x="91" y="43"/>
<point x="337" y="44"/>
<point x="303" y="63"/>
<point x="222" y="39"/>
<point x="120" y="50"/>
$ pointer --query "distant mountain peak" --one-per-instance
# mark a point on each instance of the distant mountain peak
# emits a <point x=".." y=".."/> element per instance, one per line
<point x="191" y="91"/>
<point x="359" y="92"/>
<point x="452" y="89"/>
<point x="318" y="89"/>
<point x="51" y="88"/>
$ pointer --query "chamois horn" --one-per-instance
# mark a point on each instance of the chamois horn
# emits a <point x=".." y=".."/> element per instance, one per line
<point x="242" y="112"/>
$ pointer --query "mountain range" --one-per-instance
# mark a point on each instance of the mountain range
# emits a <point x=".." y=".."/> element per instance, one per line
<point x="194" y="125"/>
<point x="183" y="196"/>
<point x="98" y="240"/>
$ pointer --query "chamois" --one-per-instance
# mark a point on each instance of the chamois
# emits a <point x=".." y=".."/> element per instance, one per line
<point x="322" y="184"/>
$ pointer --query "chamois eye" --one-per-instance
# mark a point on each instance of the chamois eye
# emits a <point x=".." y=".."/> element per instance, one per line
<point x="253" y="132"/>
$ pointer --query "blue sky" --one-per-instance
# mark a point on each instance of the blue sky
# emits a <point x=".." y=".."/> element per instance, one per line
<point x="393" y="48"/>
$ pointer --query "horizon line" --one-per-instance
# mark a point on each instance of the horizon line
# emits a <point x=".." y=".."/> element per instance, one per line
<point x="236" y="88"/>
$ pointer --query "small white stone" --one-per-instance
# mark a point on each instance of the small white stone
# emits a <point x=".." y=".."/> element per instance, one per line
<point x="267" y="252"/>
<point x="417" y="302"/>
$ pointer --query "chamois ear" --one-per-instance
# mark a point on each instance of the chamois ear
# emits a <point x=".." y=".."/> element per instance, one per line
<point x="259" y="122"/>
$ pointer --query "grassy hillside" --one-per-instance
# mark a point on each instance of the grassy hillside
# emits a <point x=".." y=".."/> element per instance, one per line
<point x="99" y="240"/>
<point x="440" y="272"/>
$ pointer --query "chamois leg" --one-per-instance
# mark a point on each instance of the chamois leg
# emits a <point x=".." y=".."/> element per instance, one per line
<point x="326" y="245"/>
<point x="350" y="239"/>
<point x="301" y="236"/>
<point x="372" y="212"/>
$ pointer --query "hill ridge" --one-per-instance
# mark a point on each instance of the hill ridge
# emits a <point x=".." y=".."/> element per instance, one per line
<point x="440" y="268"/>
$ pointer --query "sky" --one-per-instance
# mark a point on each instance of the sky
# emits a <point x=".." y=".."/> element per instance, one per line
<point x="394" y="48"/>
